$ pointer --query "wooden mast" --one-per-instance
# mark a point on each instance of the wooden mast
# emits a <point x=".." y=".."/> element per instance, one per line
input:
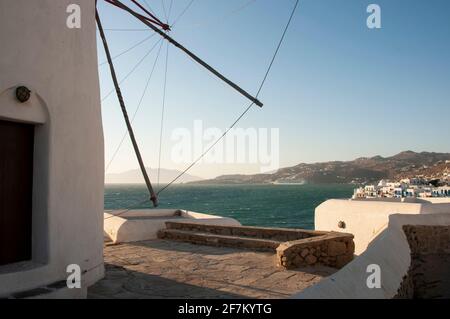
<point x="153" y="196"/>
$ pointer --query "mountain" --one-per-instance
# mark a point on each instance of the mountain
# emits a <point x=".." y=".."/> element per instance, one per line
<point x="135" y="177"/>
<point x="359" y="171"/>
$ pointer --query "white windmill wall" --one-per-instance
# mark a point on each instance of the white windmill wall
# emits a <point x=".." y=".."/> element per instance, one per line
<point x="59" y="65"/>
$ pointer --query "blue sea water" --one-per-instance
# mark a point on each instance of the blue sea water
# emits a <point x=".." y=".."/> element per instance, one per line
<point x="252" y="205"/>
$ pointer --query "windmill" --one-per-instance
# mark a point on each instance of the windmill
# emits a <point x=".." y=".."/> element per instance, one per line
<point x="151" y="21"/>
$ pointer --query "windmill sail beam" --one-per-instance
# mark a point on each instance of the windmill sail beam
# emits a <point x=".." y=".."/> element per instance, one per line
<point x="140" y="15"/>
<point x="184" y="49"/>
<point x="153" y="195"/>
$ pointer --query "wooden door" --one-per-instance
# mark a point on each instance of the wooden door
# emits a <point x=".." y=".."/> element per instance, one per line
<point x="16" y="186"/>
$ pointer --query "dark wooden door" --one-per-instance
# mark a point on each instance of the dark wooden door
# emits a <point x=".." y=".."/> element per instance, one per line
<point x="16" y="185"/>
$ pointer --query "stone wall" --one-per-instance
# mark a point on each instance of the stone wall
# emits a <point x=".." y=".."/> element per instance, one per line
<point x="333" y="250"/>
<point x="429" y="273"/>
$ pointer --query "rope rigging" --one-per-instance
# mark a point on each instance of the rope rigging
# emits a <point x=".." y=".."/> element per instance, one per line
<point x="150" y="8"/>
<point x="175" y="21"/>
<point x="129" y="49"/>
<point x="170" y="10"/>
<point x="152" y="20"/>
<point x="162" y="113"/>
<point x="182" y="13"/>
<point x="132" y="70"/>
<point x="246" y="110"/>
<point x="254" y="100"/>
<point x="125" y="30"/>
<point x="218" y="20"/>
<point x="137" y="108"/>
<point x="146" y="11"/>
<point x="144" y="92"/>
<point x="164" y="9"/>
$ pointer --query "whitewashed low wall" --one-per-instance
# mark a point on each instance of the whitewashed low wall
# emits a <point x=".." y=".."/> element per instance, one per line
<point x="390" y="251"/>
<point x="437" y="200"/>
<point x="139" y="225"/>
<point x="366" y="219"/>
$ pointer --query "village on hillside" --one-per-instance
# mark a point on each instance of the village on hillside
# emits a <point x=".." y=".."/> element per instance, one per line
<point x="417" y="187"/>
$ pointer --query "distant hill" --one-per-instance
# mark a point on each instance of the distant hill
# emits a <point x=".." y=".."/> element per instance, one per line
<point x="135" y="177"/>
<point x="360" y="171"/>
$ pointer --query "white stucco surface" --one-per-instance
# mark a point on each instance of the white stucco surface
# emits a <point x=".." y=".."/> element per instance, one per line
<point x="367" y="219"/>
<point x="389" y="250"/>
<point x="139" y="225"/>
<point x="438" y="200"/>
<point x="59" y="65"/>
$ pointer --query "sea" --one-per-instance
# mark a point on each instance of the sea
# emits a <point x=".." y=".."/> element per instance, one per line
<point x="252" y="205"/>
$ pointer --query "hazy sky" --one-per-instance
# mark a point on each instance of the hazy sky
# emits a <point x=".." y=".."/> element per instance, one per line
<point x="337" y="91"/>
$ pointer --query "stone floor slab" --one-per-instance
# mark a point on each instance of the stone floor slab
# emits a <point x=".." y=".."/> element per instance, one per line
<point x="166" y="269"/>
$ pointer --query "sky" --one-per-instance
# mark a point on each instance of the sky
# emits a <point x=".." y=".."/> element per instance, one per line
<point x="337" y="90"/>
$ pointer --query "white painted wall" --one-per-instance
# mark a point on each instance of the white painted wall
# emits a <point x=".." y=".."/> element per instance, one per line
<point x="139" y="225"/>
<point x="365" y="219"/>
<point x="389" y="250"/>
<point x="59" y="65"/>
<point x="437" y="200"/>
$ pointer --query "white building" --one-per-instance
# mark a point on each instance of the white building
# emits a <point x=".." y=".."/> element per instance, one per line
<point x="398" y="192"/>
<point x="51" y="149"/>
<point x="442" y="191"/>
<point x="382" y="183"/>
<point x="370" y="191"/>
<point x="359" y="193"/>
<point x="410" y="192"/>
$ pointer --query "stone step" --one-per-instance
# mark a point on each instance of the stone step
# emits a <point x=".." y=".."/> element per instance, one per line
<point x="203" y="238"/>
<point x="277" y="234"/>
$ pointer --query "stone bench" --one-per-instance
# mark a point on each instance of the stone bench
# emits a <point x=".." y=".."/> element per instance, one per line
<point x="220" y="240"/>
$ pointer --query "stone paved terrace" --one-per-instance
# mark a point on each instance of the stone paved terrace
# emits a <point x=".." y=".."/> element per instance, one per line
<point x="166" y="269"/>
